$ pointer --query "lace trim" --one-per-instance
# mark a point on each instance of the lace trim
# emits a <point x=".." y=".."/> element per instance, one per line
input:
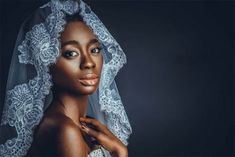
<point x="97" y="153"/>
<point x="111" y="105"/>
<point x="40" y="48"/>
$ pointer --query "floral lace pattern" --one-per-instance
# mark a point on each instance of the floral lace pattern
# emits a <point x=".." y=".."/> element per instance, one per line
<point x="97" y="153"/>
<point x="24" y="103"/>
<point x="24" y="108"/>
<point x="116" y="117"/>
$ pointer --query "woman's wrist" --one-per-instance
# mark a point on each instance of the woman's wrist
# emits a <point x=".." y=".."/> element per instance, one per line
<point x="123" y="152"/>
<point x="120" y="151"/>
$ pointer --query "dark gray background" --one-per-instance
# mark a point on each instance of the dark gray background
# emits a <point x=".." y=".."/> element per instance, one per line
<point x="178" y="85"/>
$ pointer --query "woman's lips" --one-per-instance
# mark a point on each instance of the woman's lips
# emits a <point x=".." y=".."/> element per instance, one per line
<point x="89" y="80"/>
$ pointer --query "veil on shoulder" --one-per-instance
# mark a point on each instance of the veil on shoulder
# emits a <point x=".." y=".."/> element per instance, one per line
<point x="28" y="90"/>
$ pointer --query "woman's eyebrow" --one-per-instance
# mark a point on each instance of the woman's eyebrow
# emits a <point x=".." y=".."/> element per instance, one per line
<point x="74" y="42"/>
<point x="70" y="42"/>
<point x="92" y="41"/>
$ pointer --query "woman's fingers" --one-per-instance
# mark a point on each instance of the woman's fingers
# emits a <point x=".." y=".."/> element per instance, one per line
<point x="102" y="139"/>
<point x="90" y="122"/>
<point x="101" y="133"/>
<point x="90" y="131"/>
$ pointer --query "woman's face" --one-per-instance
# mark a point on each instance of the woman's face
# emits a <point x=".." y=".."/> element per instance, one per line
<point x="79" y="66"/>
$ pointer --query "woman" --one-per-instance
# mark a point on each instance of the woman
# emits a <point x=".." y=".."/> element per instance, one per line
<point x="65" y="62"/>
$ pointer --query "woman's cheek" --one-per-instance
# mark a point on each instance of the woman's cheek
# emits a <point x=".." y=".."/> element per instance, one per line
<point x="70" y="66"/>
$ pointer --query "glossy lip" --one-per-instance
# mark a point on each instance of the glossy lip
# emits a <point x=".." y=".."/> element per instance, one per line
<point x="89" y="79"/>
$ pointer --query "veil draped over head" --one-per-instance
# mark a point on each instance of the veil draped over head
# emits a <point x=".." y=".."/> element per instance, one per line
<point x="28" y="90"/>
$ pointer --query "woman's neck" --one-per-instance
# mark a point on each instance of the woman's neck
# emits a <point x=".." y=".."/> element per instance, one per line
<point x="73" y="106"/>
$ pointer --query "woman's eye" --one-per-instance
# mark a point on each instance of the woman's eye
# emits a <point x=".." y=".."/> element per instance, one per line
<point x="96" y="50"/>
<point x="70" y="54"/>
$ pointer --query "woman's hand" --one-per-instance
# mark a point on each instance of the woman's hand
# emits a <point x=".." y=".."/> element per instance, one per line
<point x="104" y="136"/>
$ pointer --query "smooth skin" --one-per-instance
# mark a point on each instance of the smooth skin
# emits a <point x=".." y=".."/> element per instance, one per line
<point x="65" y="131"/>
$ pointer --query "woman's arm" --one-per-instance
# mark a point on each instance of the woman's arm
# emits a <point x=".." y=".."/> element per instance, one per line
<point x="104" y="136"/>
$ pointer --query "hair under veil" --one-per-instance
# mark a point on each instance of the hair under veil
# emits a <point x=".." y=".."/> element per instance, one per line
<point x="28" y="90"/>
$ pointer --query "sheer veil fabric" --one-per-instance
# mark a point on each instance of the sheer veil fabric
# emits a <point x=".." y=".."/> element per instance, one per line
<point x="28" y="90"/>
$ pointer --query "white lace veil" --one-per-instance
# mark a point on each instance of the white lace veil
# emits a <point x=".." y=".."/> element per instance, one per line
<point x="28" y="90"/>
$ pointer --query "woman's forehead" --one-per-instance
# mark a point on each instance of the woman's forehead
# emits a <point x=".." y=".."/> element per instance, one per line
<point x="79" y="32"/>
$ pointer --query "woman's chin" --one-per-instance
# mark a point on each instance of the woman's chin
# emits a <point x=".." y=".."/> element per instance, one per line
<point x="88" y="90"/>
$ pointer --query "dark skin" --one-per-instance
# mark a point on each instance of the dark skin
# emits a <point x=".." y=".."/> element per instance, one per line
<point x="65" y="131"/>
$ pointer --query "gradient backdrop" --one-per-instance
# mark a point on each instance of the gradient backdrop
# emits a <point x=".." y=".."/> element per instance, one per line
<point x="178" y="85"/>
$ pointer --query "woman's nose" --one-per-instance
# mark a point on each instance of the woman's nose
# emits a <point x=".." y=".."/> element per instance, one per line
<point x="87" y="62"/>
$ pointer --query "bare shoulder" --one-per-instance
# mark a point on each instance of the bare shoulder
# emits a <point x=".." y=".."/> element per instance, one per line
<point x="61" y="132"/>
<point x="70" y="140"/>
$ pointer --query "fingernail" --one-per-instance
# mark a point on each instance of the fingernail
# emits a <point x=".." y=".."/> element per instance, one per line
<point x="83" y="127"/>
<point x="84" y="124"/>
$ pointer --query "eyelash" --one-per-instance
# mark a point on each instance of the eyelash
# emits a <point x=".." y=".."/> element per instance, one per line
<point x="66" y="54"/>
<point x="99" y="49"/>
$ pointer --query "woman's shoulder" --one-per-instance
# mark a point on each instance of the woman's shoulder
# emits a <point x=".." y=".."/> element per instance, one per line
<point x="57" y="124"/>
<point x="61" y="132"/>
